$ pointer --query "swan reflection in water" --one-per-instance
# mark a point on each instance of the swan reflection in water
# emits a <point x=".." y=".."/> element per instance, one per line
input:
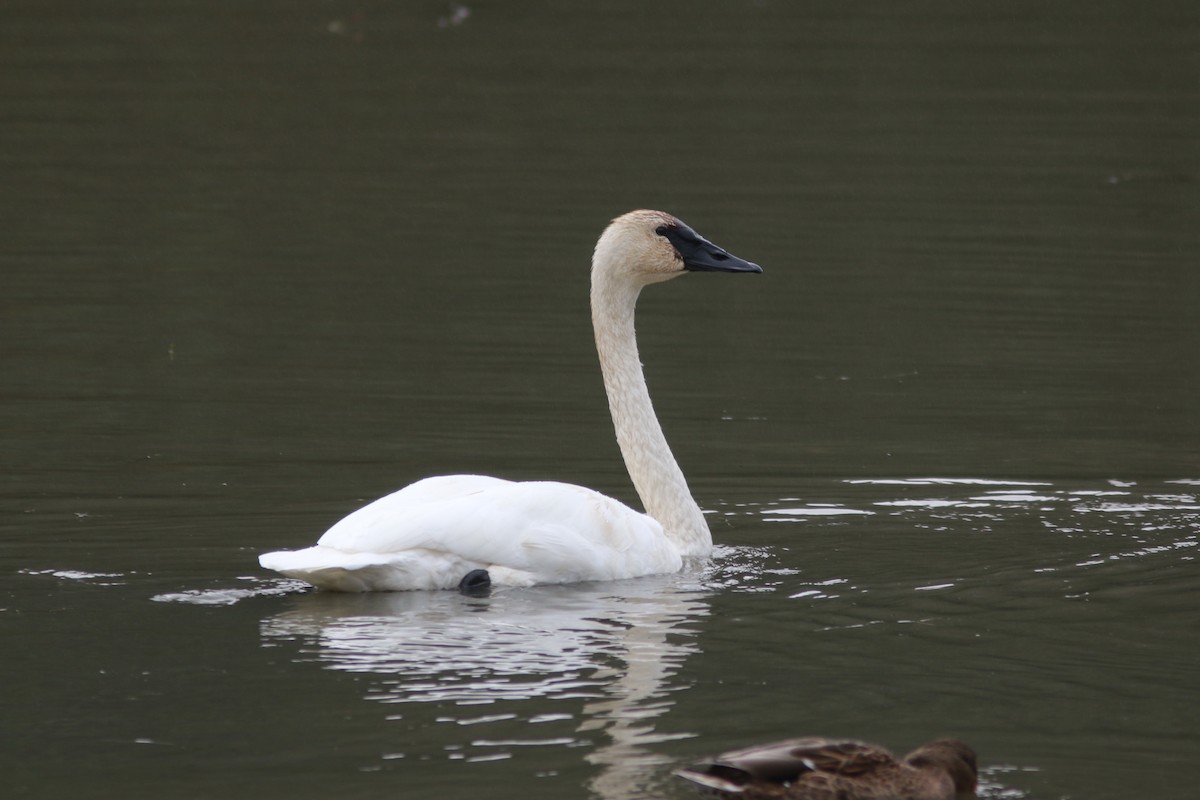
<point x="613" y="645"/>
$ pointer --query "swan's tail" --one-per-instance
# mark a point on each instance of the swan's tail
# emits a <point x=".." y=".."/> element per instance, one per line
<point x="323" y="567"/>
<point x="342" y="571"/>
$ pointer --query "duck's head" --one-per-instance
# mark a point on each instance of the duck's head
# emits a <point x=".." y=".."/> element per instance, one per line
<point x="953" y="757"/>
<point x="652" y="246"/>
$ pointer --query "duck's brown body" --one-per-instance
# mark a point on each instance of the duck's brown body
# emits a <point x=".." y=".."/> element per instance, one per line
<point x="832" y="769"/>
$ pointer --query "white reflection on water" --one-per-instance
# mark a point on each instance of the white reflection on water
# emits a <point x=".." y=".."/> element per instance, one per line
<point x="972" y="530"/>
<point x="95" y="578"/>
<point x="1063" y="509"/>
<point x="613" y="647"/>
<point x="226" y="596"/>
<point x="942" y="482"/>
<point x="816" y="511"/>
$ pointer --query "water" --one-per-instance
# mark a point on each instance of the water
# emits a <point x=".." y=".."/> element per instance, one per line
<point x="263" y="264"/>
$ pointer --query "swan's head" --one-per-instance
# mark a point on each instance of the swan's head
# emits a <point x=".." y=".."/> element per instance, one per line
<point x="653" y="246"/>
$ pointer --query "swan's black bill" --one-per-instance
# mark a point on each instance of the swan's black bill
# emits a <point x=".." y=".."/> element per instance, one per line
<point x="701" y="255"/>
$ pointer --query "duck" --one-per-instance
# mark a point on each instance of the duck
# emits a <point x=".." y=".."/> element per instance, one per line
<point x="474" y="532"/>
<point x="840" y="769"/>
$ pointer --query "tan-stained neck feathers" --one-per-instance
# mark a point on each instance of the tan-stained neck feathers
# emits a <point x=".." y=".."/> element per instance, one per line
<point x="629" y="256"/>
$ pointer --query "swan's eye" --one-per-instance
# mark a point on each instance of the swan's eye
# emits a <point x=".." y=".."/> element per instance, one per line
<point x="671" y="233"/>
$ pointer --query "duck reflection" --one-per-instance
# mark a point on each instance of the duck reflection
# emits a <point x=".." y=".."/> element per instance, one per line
<point x="615" y="646"/>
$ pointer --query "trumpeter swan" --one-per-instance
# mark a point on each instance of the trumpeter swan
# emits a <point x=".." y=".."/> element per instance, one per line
<point x="472" y="531"/>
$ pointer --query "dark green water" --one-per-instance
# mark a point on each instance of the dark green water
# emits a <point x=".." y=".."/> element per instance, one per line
<point x="265" y="262"/>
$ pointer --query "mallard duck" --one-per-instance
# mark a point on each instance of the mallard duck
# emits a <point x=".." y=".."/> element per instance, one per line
<point x="833" y="769"/>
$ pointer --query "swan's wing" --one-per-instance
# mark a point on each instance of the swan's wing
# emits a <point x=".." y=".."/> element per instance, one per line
<point x="579" y="534"/>
<point x="409" y="518"/>
<point x="556" y="532"/>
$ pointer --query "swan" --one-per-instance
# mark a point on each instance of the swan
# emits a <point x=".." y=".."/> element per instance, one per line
<point x="472" y="532"/>
<point x="840" y="769"/>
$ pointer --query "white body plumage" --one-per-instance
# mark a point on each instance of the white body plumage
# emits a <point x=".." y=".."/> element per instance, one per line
<point x="430" y="534"/>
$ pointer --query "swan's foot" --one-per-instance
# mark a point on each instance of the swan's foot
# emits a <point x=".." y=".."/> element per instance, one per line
<point x="476" y="583"/>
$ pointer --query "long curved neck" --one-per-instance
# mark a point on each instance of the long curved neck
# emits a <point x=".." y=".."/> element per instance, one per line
<point x="655" y="474"/>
